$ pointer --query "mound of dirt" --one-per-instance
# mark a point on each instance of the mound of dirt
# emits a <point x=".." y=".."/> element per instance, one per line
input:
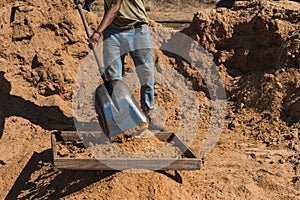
<point x="256" y="48"/>
<point x="43" y="44"/>
<point x="257" y="43"/>
<point x="254" y="35"/>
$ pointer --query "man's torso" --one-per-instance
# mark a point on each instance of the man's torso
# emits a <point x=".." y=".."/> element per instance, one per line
<point x="130" y="13"/>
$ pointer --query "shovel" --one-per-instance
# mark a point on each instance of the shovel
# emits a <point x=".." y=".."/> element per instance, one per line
<point x="117" y="110"/>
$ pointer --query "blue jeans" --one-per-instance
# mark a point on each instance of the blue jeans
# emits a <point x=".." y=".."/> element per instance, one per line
<point x="136" y="42"/>
<point x="87" y="7"/>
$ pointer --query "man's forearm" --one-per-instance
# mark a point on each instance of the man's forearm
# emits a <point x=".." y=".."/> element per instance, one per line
<point x="110" y="15"/>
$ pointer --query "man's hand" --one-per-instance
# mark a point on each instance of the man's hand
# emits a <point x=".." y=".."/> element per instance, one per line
<point x="109" y="16"/>
<point x="94" y="39"/>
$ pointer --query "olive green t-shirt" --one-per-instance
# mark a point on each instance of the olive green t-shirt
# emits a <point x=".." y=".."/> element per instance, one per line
<point x="130" y="13"/>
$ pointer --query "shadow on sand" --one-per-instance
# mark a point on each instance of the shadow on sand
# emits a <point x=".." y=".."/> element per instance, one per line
<point x="48" y="117"/>
<point x="51" y="183"/>
<point x="39" y="179"/>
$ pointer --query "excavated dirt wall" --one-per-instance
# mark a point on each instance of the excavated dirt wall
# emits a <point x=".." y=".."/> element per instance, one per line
<point x="254" y="35"/>
<point x="258" y="43"/>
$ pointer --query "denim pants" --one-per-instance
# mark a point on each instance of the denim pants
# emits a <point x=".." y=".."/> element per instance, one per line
<point x="87" y="7"/>
<point x="136" y="42"/>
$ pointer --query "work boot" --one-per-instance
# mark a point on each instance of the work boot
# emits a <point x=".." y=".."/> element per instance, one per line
<point x="156" y="119"/>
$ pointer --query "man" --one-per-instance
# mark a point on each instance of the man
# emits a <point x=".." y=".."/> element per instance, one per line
<point x="125" y="29"/>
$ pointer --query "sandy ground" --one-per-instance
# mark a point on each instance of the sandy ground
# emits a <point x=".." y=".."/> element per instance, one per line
<point x="256" y="50"/>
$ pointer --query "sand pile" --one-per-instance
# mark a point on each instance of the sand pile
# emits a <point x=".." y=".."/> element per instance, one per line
<point x="256" y="47"/>
<point x="254" y="35"/>
<point x="43" y="43"/>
